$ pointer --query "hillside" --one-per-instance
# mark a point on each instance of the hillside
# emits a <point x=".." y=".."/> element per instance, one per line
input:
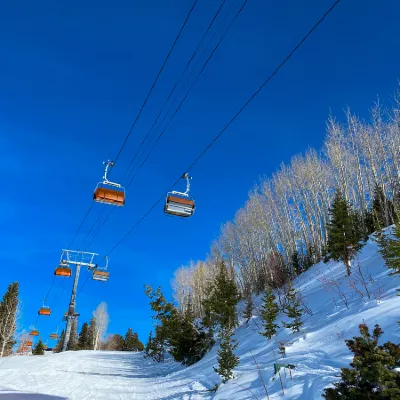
<point x="318" y="353"/>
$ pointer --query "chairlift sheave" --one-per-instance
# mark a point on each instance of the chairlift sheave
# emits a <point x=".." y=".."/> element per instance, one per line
<point x="108" y="192"/>
<point x="180" y="203"/>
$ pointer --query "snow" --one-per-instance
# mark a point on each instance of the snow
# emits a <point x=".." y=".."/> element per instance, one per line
<point x="318" y="352"/>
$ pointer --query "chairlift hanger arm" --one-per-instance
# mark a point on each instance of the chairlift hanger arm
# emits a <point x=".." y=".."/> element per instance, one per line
<point x="188" y="178"/>
<point x="105" y="180"/>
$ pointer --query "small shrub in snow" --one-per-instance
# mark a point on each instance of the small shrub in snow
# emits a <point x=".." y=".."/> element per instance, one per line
<point x="227" y="360"/>
<point x="293" y="311"/>
<point x="269" y="311"/>
<point x="373" y="374"/>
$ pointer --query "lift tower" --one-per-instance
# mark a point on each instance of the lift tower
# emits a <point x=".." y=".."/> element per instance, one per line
<point x="78" y="259"/>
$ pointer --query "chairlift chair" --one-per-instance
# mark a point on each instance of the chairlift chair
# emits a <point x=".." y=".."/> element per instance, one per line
<point x="180" y="203"/>
<point x="101" y="274"/>
<point x="34" y="332"/>
<point x="29" y="343"/>
<point x="63" y="269"/>
<point x="44" y="310"/>
<point x="104" y="194"/>
<point x="53" y="335"/>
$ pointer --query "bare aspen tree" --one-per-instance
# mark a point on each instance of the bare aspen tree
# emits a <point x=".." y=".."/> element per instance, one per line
<point x="101" y="317"/>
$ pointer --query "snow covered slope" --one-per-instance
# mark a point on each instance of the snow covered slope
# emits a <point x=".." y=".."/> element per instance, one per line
<point x="318" y="353"/>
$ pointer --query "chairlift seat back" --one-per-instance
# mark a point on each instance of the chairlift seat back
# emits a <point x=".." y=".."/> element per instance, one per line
<point x="180" y="206"/>
<point x="34" y="333"/>
<point x="44" y="311"/>
<point x="109" y="196"/>
<point x="100" y="275"/>
<point x="63" y="271"/>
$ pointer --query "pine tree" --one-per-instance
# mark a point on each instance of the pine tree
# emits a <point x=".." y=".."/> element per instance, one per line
<point x="38" y="350"/>
<point x="221" y="304"/>
<point x="148" y="349"/>
<point x="59" y="345"/>
<point x="227" y="360"/>
<point x="382" y="209"/>
<point x="309" y="257"/>
<point x="296" y="267"/>
<point x="293" y="311"/>
<point x="132" y="342"/>
<point x="343" y="238"/>
<point x="73" y="337"/>
<point x="269" y="312"/>
<point x="248" y="311"/>
<point x="92" y="333"/>
<point x="8" y="319"/>
<point x="373" y="374"/>
<point x="390" y="249"/>
<point x="84" y="340"/>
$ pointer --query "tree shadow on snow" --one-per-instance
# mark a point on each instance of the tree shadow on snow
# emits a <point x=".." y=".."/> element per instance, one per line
<point x="14" y="395"/>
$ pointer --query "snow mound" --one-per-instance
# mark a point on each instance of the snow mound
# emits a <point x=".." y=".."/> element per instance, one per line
<point x="318" y="352"/>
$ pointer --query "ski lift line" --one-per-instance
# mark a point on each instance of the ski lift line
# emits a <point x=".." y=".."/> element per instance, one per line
<point x="80" y="226"/>
<point x="156" y="80"/>
<point x="51" y="286"/>
<point x="253" y="96"/>
<point x="177" y="83"/>
<point x="191" y="87"/>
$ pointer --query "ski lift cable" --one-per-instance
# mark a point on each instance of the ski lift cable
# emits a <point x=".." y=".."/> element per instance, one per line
<point x="192" y="85"/>
<point x="177" y="82"/>
<point x="155" y="81"/>
<point x="252" y="97"/>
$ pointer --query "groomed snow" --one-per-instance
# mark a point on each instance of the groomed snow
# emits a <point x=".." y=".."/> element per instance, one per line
<point x="318" y="352"/>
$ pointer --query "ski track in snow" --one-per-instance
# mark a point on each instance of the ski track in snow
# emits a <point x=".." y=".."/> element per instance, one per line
<point x="318" y="352"/>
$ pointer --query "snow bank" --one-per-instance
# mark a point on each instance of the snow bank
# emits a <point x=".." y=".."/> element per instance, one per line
<point x="318" y="352"/>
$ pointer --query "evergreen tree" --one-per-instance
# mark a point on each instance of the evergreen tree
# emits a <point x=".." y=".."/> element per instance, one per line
<point x="115" y="342"/>
<point x="296" y="267"/>
<point x="221" y="304"/>
<point x="382" y="209"/>
<point x="84" y="340"/>
<point x="373" y="374"/>
<point x="309" y="257"/>
<point x="92" y="333"/>
<point x="343" y="237"/>
<point x="73" y="337"/>
<point x="293" y="311"/>
<point x="38" y="350"/>
<point x="227" y="360"/>
<point x="58" y="346"/>
<point x="8" y="319"/>
<point x="369" y="222"/>
<point x="269" y="312"/>
<point x="148" y="349"/>
<point x="248" y="311"/>
<point x="390" y="249"/>
<point x="132" y="342"/>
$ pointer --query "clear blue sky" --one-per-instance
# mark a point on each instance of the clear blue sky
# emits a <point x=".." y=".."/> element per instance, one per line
<point x="73" y="76"/>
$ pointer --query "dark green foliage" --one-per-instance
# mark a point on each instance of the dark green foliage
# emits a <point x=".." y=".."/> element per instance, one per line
<point x="84" y="339"/>
<point x="38" y="349"/>
<point x="8" y="317"/>
<point x="390" y="249"/>
<point x="268" y="314"/>
<point x="58" y="347"/>
<point x="91" y="333"/>
<point x="296" y="267"/>
<point x="73" y="337"/>
<point x="293" y="311"/>
<point x="282" y="349"/>
<point x="382" y="209"/>
<point x="308" y="260"/>
<point x="369" y="222"/>
<point x="132" y="342"/>
<point x="220" y="307"/>
<point x="372" y="375"/>
<point x="227" y="360"/>
<point x="116" y="343"/>
<point x="343" y="235"/>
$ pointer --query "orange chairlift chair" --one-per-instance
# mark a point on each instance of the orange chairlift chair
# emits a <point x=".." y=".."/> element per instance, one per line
<point x="63" y="269"/>
<point x="34" y="332"/>
<point x="54" y="335"/>
<point x="178" y="203"/>
<point x="101" y="274"/>
<point x="44" y="310"/>
<point x="104" y="194"/>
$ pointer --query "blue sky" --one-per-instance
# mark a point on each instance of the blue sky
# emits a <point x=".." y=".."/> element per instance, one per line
<point x="73" y="76"/>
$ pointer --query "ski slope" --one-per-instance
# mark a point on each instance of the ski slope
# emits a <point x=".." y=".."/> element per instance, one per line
<point x="318" y="352"/>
